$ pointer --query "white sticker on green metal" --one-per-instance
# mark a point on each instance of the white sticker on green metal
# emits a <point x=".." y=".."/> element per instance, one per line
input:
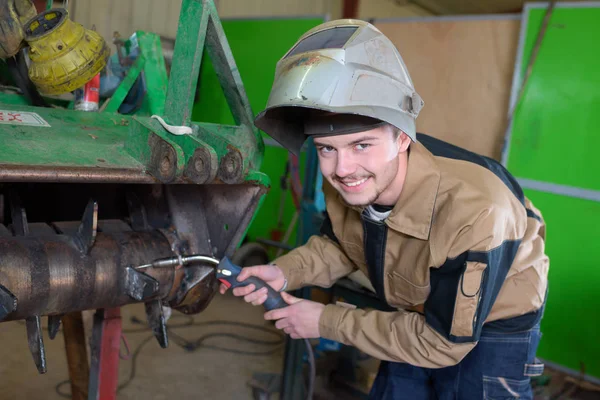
<point x="12" y="117"/>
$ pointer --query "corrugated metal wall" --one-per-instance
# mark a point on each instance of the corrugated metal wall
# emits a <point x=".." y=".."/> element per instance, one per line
<point x="257" y="8"/>
<point x="368" y="9"/>
<point x="161" y="16"/>
<point x="127" y="16"/>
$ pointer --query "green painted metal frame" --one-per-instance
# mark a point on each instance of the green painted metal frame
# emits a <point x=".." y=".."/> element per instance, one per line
<point x="180" y="97"/>
<point x="105" y="142"/>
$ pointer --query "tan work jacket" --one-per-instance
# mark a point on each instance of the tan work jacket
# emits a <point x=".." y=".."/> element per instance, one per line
<point x="461" y="249"/>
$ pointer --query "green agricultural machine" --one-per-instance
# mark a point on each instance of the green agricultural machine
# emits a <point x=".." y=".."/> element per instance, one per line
<point x="85" y="197"/>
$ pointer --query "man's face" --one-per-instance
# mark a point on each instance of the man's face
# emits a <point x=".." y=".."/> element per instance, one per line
<point x="363" y="166"/>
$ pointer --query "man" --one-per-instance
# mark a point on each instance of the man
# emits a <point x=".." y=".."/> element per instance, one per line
<point x="446" y="237"/>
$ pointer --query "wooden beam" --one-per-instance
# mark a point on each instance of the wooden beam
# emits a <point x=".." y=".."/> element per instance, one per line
<point x="350" y="9"/>
<point x="40" y="5"/>
<point x="77" y="360"/>
<point x="433" y="6"/>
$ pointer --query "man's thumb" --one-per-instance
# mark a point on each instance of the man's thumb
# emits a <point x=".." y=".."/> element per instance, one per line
<point x="288" y="298"/>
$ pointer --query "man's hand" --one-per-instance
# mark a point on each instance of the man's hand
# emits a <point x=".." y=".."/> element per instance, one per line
<point x="271" y="274"/>
<point x="300" y="319"/>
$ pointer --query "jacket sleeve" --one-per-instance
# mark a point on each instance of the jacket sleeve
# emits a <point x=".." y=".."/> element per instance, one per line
<point x="319" y="262"/>
<point x="463" y="290"/>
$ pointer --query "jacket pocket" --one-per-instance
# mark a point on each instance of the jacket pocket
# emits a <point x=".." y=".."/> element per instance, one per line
<point x="467" y="299"/>
<point x="405" y="292"/>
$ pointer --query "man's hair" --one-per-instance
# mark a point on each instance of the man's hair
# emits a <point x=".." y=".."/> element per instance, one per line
<point x="395" y="131"/>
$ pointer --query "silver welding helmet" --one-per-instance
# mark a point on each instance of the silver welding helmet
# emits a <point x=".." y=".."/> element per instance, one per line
<point x="343" y="67"/>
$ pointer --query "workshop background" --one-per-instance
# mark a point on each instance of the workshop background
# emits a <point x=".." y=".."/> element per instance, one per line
<point x="515" y="81"/>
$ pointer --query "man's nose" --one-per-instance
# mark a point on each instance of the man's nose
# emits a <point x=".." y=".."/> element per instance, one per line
<point x="345" y="165"/>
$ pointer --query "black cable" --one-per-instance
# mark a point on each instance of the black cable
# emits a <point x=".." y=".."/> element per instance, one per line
<point x="132" y="372"/>
<point x="193" y="345"/>
<point x="17" y="66"/>
<point x="196" y="344"/>
<point x="59" y="386"/>
<point x="313" y="370"/>
<point x="135" y="320"/>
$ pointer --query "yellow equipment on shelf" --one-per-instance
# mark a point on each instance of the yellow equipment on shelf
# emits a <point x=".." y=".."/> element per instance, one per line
<point x="64" y="55"/>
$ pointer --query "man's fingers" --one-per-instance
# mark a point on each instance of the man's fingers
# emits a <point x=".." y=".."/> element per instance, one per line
<point x="288" y="298"/>
<point x="278" y="314"/>
<point x="260" y="300"/>
<point x="288" y="329"/>
<point x="222" y="289"/>
<point x="282" y="323"/>
<point x="242" y="291"/>
<point x="248" y="272"/>
<point x="249" y="298"/>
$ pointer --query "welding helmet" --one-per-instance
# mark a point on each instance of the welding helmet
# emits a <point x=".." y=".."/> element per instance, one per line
<point x="343" y="76"/>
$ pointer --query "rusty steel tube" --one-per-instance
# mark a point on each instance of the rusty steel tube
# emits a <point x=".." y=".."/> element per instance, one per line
<point x="49" y="275"/>
<point x="33" y="173"/>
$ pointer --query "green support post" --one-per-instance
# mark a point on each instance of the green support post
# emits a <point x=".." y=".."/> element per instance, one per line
<point x="187" y="57"/>
<point x="155" y="71"/>
<point x="199" y="23"/>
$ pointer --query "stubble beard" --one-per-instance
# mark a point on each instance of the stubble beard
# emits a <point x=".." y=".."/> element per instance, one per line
<point x="378" y="191"/>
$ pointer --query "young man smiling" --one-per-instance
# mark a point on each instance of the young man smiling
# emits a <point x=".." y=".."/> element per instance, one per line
<point x="446" y="237"/>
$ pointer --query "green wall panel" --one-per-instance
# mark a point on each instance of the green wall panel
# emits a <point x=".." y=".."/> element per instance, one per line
<point x="555" y="130"/>
<point x="554" y="139"/>
<point x="570" y="325"/>
<point x="256" y="45"/>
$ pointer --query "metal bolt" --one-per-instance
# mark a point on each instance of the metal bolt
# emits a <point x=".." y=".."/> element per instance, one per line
<point x="202" y="166"/>
<point x="199" y="165"/>
<point x="229" y="164"/>
<point x="165" y="165"/>
<point x="231" y="167"/>
<point x="162" y="163"/>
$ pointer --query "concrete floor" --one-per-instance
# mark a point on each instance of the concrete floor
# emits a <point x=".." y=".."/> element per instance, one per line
<point x="161" y="373"/>
<point x="175" y="373"/>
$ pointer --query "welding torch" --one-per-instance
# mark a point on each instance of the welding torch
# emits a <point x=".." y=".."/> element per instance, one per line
<point x="227" y="273"/>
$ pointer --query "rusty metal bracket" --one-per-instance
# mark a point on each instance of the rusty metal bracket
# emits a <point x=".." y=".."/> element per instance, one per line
<point x="87" y="230"/>
<point x="19" y="217"/>
<point x="140" y="286"/>
<point x="53" y="325"/>
<point x="34" y="331"/>
<point x="8" y="302"/>
<point x="156" y="321"/>
<point x="137" y="212"/>
<point x="195" y="289"/>
<point x="36" y="342"/>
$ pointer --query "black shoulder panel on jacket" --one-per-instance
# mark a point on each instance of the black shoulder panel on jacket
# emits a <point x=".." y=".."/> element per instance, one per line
<point x="443" y="149"/>
<point x="327" y="228"/>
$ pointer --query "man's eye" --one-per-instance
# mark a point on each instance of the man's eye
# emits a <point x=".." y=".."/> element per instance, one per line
<point x="362" y="146"/>
<point x="326" y="149"/>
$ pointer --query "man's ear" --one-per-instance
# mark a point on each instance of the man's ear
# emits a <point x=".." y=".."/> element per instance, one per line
<point x="403" y="142"/>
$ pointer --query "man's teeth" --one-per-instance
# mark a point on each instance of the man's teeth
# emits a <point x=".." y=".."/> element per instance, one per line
<point x="356" y="183"/>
